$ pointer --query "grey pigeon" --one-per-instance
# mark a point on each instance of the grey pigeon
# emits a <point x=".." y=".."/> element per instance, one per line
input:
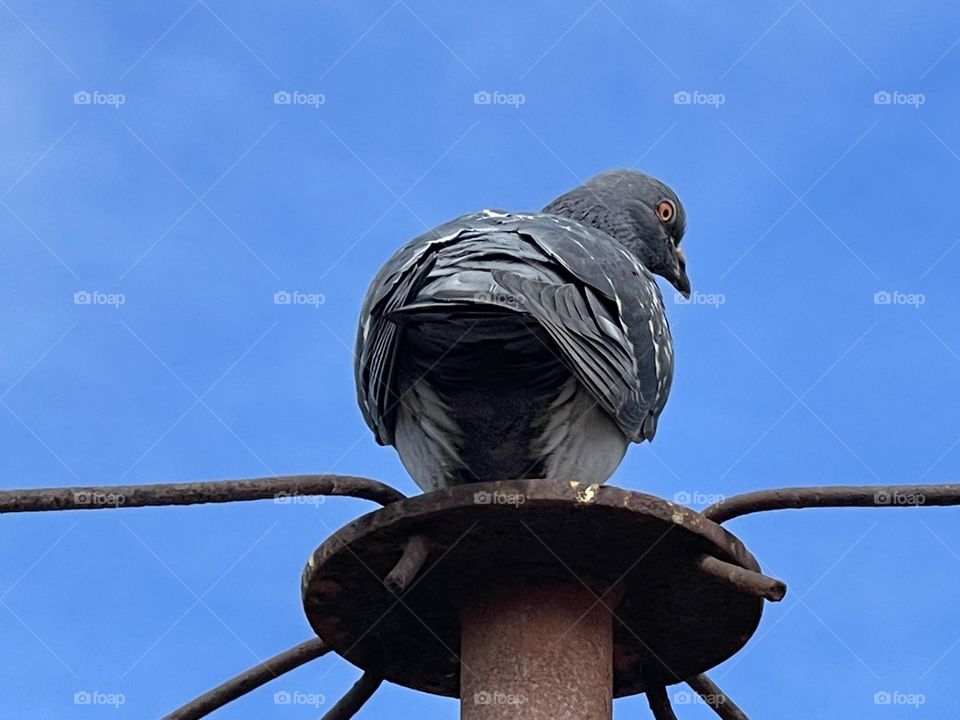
<point x="505" y="346"/>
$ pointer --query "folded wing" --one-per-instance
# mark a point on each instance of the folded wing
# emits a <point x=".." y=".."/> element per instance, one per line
<point x="598" y="304"/>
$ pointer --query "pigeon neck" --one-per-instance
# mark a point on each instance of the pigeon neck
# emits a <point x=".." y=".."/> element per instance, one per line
<point x="591" y="211"/>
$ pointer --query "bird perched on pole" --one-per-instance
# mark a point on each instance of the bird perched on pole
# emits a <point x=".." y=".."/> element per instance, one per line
<point x="504" y="346"/>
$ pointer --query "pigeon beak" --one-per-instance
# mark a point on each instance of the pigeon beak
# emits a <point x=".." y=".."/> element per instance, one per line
<point x="678" y="273"/>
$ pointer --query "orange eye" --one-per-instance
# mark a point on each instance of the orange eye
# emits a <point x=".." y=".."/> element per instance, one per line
<point x="666" y="210"/>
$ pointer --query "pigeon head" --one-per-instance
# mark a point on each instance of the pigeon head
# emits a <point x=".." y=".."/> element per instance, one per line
<point x="639" y="211"/>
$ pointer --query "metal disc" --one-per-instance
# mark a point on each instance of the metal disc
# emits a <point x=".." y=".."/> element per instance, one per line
<point x="672" y="620"/>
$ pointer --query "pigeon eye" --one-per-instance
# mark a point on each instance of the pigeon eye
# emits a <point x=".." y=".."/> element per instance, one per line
<point x="666" y="210"/>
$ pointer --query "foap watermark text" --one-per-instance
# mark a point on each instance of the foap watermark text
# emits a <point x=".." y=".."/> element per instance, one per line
<point x="498" y="498"/>
<point x="696" y="498"/>
<point x="485" y="97"/>
<point x="495" y="697"/>
<point x="295" y="97"/>
<point x="895" y="97"/>
<point x="295" y="297"/>
<point x="686" y="697"/>
<point x="294" y="498"/>
<point x="714" y="300"/>
<point x="297" y="697"/>
<point x="696" y="97"/>
<point x="895" y="297"/>
<point x="95" y="97"/>
<point x="95" y="697"/>
<point x="95" y="297"/>
<point x="99" y="499"/>
<point x="895" y="697"/>
<point x="899" y="499"/>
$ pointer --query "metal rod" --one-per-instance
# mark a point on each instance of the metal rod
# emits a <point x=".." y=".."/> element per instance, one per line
<point x="660" y="703"/>
<point x="836" y="496"/>
<point x="538" y="652"/>
<point x="362" y="690"/>
<point x="250" y="680"/>
<point x="716" y="698"/>
<point x="409" y="565"/>
<point x="747" y="581"/>
<point x="283" y="489"/>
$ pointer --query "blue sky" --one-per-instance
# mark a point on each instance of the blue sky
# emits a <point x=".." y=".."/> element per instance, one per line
<point x="822" y="346"/>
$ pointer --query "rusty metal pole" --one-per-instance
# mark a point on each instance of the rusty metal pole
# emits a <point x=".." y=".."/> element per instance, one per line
<point x="537" y="653"/>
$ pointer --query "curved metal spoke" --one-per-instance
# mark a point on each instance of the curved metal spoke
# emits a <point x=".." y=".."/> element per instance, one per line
<point x="882" y="496"/>
<point x="746" y="581"/>
<point x="660" y="703"/>
<point x="250" y="680"/>
<point x="409" y="565"/>
<point x="356" y="696"/>
<point x="283" y="489"/>
<point x="715" y="698"/>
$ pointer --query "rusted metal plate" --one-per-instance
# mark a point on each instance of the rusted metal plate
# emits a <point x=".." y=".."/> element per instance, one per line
<point x="673" y="621"/>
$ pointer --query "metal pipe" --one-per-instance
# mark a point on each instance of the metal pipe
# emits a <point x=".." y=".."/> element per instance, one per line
<point x="837" y="496"/>
<point x="660" y="703"/>
<point x="747" y="581"/>
<point x="716" y="698"/>
<point x="537" y="653"/>
<point x="409" y="565"/>
<point x="362" y="690"/>
<point x="282" y="489"/>
<point x="250" y="680"/>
